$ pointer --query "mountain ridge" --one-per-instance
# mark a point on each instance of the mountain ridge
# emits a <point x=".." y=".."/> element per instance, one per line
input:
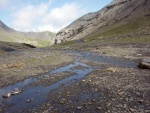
<point x="40" y="39"/>
<point x="118" y="11"/>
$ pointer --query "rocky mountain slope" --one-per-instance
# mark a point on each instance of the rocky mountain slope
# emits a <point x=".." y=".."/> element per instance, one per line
<point x="115" y="14"/>
<point x="39" y="39"/>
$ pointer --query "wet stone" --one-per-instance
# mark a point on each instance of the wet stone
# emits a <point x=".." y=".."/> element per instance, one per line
<point x="145" y="63"/>
<point x="7" y="95"/>
<point x="29" y="100"/>
<point x="15" y="91"/>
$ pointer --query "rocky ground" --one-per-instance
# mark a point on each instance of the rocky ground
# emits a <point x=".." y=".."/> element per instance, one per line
<point x="19" y="65"/>
<point x="105" y="88"/>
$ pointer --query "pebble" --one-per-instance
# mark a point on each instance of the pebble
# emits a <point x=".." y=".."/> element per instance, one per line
<point x="29" y="100"/>
<point x="83" y="80"/>
<point x="79" y="107"/>
<point x="140" y="101"/>
<point x="132" y="110"/>
<point x="93" y="100"/>
<point x="46" y="76"/>
<point x="63" y="101"/>
<point x="90" y="80"/>
<point x="98" y="108"/>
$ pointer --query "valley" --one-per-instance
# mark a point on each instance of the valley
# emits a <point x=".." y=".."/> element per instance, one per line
<point x="100" y="63"/>
<point x="76" y="79"/>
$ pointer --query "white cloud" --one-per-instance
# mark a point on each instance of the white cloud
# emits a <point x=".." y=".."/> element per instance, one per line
<point x="27" y="17"/>
<point x="4" y="3"/>
<point x="41" y="18"/>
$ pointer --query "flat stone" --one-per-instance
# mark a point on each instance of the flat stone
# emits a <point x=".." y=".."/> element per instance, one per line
<point x="132" y="110"/>
<point x="15" y="91"/>
<point x="140" y="101"/>
<point x="7" y="95"/>
<point x="144" y="63"/>
<point x="79" y="107"/>
<point x="98" y="108"/>
<point x="112" y="69"/>
<point x="93" y="100"/>
<point x="146" y="60"/>
<point x="29" y="100"/>
<point x="63" y="101"/>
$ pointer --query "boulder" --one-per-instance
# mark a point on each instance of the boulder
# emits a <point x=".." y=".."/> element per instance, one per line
<point x="144" y="63"/>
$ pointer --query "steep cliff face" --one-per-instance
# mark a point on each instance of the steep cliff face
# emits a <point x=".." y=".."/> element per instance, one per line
<point x="116" y="11"/>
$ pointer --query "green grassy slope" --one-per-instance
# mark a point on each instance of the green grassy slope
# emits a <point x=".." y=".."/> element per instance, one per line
<point x="128" y="32"/>
<point x="14" y="37"/>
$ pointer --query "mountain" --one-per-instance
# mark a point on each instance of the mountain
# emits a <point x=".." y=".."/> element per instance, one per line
<point x="3" y="27"/>
<point x="120" y="16"/>
<point x="39" y="39"/>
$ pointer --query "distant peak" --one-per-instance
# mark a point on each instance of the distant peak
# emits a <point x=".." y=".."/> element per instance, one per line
<point x="4" y="27"/>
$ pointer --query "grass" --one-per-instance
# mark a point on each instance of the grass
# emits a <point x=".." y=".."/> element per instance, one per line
<point x="109" y="34"/>
<point x="42" y="60"/>
<point x="38" y="42"/>
<point x="118" y="33"/>
<point x="65" y="44"/>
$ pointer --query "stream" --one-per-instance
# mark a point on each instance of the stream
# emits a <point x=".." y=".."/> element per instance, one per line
<point x="38" y="93"/>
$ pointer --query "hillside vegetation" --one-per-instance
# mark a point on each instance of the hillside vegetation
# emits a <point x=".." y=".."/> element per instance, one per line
<point x="38" y="39"/>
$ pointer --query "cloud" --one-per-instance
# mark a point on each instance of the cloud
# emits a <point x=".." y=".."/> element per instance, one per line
<point x="4" y="3"/>
<point x="27" y="17"/>
<point x="41" y="18"/>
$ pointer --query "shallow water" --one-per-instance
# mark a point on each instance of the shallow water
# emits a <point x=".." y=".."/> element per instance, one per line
<point x="38" y="93"/>
<point x="105" y="59"/>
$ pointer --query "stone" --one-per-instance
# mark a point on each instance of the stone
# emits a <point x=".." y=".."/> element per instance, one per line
<point x="132" y="110"/>
<point x="63" y="101"/>
<point x="29" y="100"/>
<point x="83" y="80"/>
<point x="93" y="100"/>
<point x="104" y="52"/>
<point x="112" y="69"/>
<point x="15" y="91"/>
<point x="79" y="107"/>
<point x="140" y="101"/>
<point x="144" y="63"/>
<point x="46" y="76"/>
<point x="7" y="95"/>
<point x="98" y="108"/>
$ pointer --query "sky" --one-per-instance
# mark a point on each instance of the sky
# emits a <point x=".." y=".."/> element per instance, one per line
<point x="45" y="15"/>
